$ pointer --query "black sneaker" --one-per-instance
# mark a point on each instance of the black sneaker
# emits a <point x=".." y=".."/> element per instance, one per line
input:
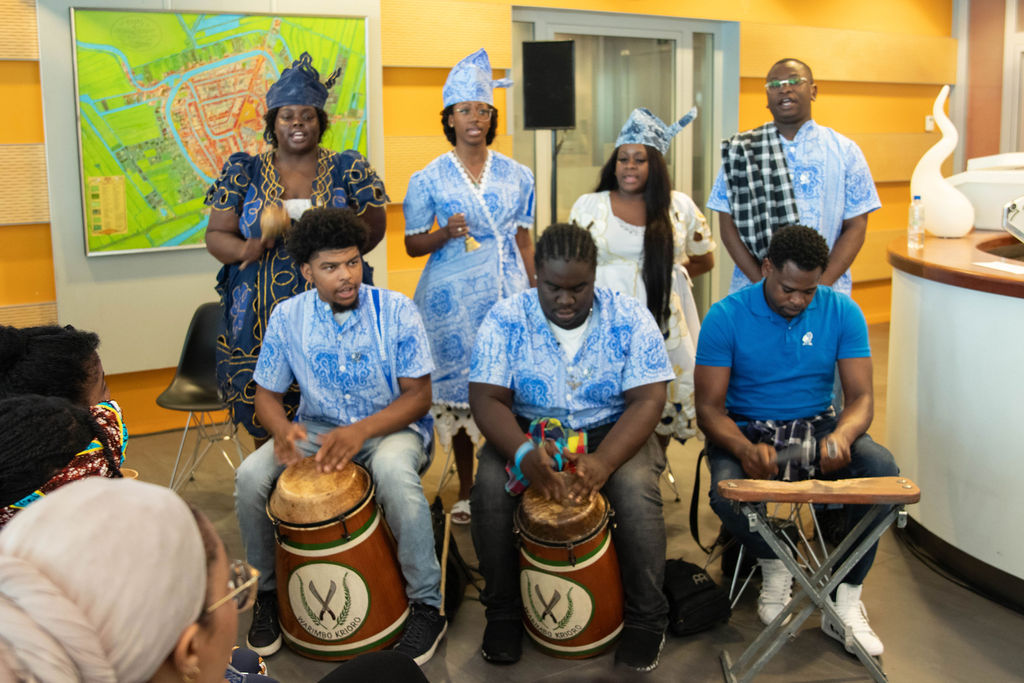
<point x="638" y="649"/>
<point x="503" y="642"/>
<point x="424" y="629"/>
<point x="265" y="633"/>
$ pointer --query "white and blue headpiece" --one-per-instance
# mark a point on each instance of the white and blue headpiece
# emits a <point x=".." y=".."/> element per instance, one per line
<point x="644" y="128"/>
<point x="470" y="81"/>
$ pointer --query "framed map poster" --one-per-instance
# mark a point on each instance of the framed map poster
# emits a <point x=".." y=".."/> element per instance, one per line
<point x="164" y="98"/>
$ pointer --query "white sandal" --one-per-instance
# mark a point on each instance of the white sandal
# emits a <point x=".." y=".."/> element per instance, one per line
<point x="461" y="512"/>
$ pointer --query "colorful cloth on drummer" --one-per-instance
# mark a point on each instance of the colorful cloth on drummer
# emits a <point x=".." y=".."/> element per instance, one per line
<point x="101" y="458"/>
<point x="248" y="184"/>
<point x="570" y="444"/>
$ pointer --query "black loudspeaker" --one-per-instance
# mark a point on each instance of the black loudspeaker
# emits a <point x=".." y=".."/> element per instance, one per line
<point x="549" y="85"/>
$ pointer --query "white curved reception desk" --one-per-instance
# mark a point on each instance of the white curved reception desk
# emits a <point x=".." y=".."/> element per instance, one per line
<point x="955" y="406"/>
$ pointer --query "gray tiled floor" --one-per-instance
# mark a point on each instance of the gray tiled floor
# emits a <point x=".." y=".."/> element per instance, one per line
<point x="933" y="630"/>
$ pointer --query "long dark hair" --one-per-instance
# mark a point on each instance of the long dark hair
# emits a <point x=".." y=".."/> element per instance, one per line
<point x="659" y="246"/>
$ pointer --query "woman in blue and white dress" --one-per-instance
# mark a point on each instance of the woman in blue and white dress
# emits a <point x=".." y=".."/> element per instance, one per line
<point x="482" y="251"/>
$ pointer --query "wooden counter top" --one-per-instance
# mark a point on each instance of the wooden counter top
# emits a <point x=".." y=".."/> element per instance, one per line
<point x="951" y="262"/>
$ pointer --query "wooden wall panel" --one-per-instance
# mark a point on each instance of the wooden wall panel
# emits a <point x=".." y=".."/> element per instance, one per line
<point x="29" y="315"/>
<point x="893" y="156"/>
<point x="441" y="32"/>
<point x="404" y="155"/>
<point x="843" y="55"/>
<point x="26" y="265"/>
<point x="871" y="263"/>
<point x="23" y="177"/>
<point x="18" y="30"/>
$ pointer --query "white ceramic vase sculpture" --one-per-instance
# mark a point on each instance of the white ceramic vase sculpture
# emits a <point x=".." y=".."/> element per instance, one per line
<point x="947" y="211"/>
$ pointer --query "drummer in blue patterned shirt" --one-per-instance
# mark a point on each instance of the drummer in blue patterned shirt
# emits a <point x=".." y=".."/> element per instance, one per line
<point x="362" y="362"/>
<point x="595" y="360"/>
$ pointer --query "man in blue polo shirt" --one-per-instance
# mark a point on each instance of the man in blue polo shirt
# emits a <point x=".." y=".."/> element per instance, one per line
<point x="361" y="359"/>
<point x="766" y="359"/>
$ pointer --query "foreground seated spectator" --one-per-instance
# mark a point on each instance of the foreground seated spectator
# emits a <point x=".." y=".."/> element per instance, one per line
<point x="766" y="359"/>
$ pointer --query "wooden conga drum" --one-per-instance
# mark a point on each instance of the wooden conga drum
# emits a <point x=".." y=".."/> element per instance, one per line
<point x="568" y="575"/>
<point x="339" y="588"/>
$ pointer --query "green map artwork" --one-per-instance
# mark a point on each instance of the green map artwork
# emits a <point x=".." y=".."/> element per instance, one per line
<point x="165" y="98"/>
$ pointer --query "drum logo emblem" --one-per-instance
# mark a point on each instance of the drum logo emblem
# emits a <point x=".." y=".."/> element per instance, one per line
<point x="557" y="608"/>
<point x="330" y="601"/>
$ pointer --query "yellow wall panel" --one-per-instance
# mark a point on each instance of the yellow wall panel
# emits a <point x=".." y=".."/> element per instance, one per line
<point x="874" y="299"/>
<point x="893" y="156"/>
<point x="136" y="392"/>
<point x="925" y="17"/>
<point x="404" y="281"/>
<point x="26" y="265"/>
<point x="845" y="55"/>
<point x="22" y="120"/>
<point x="18" y="30"/>
<point x="398" y="259"/>
<point x="23" y="177"/>
<point x="413" y="103"/>
<point x="404" y="155"/>
<point x="871" y="263"/>
<point x="441" y="32"/>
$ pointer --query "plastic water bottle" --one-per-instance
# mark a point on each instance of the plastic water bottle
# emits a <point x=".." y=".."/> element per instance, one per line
<point x="915" y="224"/>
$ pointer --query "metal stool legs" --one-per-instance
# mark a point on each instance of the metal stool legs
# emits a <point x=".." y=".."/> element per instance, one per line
<point x="816" y="584"/>
<point x="210" y="433"/>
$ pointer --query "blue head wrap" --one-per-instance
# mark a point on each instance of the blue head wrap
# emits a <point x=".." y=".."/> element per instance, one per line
<point x="300" y="85"/>
<point x="644" y="128"/>
<point x="470" y="81"/>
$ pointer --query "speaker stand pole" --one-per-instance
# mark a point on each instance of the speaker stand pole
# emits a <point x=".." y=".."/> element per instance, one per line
<point x="554" y="176"/>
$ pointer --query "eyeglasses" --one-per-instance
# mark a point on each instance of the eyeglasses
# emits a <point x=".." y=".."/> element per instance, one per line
<point x="242" y="580"/>
<point x="778" y="85"/>
<point x="479" y="112"/>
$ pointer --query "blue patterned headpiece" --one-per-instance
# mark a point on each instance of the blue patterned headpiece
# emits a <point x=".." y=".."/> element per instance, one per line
<point x="470" y="81"/>
<point x="300" y="85"/>
<point x="644" y="128"/>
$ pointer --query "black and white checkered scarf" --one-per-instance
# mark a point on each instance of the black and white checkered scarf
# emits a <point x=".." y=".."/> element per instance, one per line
<point x="759" y="187"/>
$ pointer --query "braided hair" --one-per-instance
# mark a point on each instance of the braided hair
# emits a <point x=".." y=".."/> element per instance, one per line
<point x="44" y="434"/>
<point x="659" y="245"/>
<point x="48" y="360"/>
<point x="565" y="242"/>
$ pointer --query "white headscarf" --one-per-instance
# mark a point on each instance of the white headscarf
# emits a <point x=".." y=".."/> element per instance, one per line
<point x="97" y="582"/>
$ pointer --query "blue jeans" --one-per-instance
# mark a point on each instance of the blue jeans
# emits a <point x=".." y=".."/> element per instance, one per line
<point x="867" y="459"/>
<point x="394" y="462"/>
<point x="639" y="535"/>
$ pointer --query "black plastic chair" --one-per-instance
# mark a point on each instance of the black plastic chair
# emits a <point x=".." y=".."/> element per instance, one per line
<point x="194" y="390"/>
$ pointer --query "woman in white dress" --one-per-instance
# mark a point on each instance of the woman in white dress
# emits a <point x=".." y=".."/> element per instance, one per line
<point x="651" y="241"/>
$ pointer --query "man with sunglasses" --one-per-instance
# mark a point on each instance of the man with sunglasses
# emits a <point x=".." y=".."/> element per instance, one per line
<point x="792" y="171"/>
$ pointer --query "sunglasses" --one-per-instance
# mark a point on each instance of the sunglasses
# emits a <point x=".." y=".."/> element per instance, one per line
<point x="242" y="581"/>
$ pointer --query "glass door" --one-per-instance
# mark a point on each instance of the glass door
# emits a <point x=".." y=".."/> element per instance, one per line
<point x="623" y="62"/>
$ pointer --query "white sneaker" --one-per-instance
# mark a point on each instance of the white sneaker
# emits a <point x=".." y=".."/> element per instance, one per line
<point x="855" y="620"/>
<point x="776" y="589"/>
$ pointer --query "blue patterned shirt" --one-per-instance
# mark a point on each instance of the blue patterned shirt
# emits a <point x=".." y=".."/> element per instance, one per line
<point x="350" y="371"/>
<point x="831" y="183"/>
<point x="622" y="349"/>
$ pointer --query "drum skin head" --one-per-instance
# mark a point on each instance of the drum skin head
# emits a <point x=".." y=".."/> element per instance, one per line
<point x="303" y="495"/>
<point x="560" y="522"/>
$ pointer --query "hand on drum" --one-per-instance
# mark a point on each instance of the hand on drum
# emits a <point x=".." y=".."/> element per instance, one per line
<point x="592" y="473"/>
<point x="539" y="467"/>
<point x="284" y="444"/>
<point x="338" y="446"/>
<point x="759" y="461"/>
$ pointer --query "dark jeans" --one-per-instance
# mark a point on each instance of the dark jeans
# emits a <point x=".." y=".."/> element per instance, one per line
<point x="867" y="459"/>
<point x="639" y="536"/>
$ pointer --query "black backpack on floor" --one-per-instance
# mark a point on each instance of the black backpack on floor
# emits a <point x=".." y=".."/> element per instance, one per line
<point x="695" y="602"/>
